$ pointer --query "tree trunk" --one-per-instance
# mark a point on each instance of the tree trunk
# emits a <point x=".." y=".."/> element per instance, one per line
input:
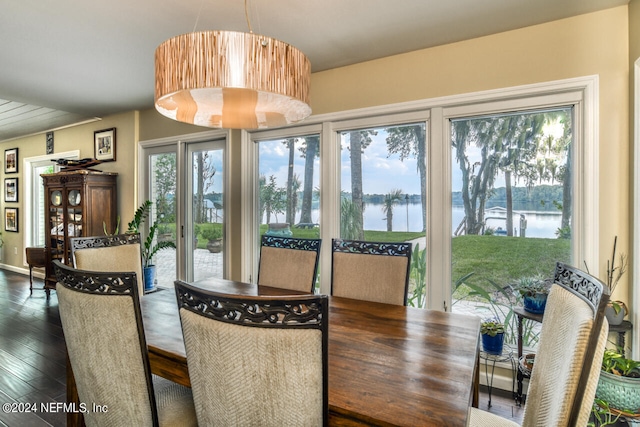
<point x="567" y="190"/>
<point x="199" y="199"/>
<point x="507" y="181"/>
<point x="289" y="209"/>
<point x="355" y="139"/>
<point x="422" y="169"/>
<point x="307" y="193"/>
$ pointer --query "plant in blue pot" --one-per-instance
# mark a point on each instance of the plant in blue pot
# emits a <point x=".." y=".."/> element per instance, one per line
<point x="492" y="332"/>
<point x="534" y="293"/>
<point x="150" y="245"/>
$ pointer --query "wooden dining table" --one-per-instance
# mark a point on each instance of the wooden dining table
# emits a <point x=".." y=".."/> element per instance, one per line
<point x="389" y="365"/>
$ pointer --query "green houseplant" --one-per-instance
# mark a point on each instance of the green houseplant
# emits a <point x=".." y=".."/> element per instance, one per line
<point x="534" y="293"/>
<point x="619" y="384"/>
<point x="214" y="238"/>
<point x="150" y="246"/>
<point x="492" y="331"/>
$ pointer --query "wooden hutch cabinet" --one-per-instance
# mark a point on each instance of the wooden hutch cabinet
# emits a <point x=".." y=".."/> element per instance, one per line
<point x="77" y="203"/>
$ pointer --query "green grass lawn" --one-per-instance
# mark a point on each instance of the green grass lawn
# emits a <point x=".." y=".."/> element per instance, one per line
<point x="499" y="259"/>
<point x="503" y="259"/>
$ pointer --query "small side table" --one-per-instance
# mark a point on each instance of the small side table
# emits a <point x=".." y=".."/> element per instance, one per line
<point x="621" y="329"/>
<point x="36" y="257"/>
<point x="491" y="359"/>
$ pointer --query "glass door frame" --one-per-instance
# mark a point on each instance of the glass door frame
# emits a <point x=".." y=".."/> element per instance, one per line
<point x="179" y="145"/>
<point x="186" y="204"/>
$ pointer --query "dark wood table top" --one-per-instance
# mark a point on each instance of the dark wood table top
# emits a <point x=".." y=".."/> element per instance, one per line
<point x="388" y="365"/>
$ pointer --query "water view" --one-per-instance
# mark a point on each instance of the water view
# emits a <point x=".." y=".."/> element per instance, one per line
<point x="542" y="224"/>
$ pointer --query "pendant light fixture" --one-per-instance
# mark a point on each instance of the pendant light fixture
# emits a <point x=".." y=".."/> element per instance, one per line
<point x="228" y="79"/>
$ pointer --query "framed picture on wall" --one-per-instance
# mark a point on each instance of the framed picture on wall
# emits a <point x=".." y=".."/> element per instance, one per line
<point x="104" y="145"/>
<point x="11" y="189"/>
<point x="11" y="160"/>
<point x="11" y="219"/>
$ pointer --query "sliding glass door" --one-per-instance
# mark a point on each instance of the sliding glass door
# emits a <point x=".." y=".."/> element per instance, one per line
<point x="189" y="211"/>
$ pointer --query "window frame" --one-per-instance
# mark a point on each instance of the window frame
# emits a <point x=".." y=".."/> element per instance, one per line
<point x="581" y="93"/>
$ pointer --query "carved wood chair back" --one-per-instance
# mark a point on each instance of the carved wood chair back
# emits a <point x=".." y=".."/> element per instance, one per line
<point x="102" y="323"/>
<point x="289" y="263"/>
<point x="256" y="360"/>
<point x="370" y="271"/>
<point x="567" y="364"/>
<point x="120" y="252"/>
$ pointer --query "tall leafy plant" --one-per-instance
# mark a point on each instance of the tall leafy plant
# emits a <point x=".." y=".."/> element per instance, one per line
<point x="149" y="246"/>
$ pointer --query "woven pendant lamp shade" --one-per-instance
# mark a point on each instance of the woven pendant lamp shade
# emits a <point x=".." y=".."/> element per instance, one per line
<point x="226" y="79"/>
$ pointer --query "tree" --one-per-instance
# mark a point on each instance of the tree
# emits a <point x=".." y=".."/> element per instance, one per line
<point x="358" y="141"/>
<point x="165" y="186"/>
<point x="477" y="177"/>
<point x="272" y="198"/>
<point x="290" y="208"/>
<point x="390" y="200"/>
<point x="204" y="172"/>
<point x="309" y="151"/>
<point x="516" y="144"/>
<point x="411" y="141"/>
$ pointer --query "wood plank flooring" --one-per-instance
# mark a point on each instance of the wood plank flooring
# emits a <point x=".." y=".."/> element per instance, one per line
<point x="33" y="357"/>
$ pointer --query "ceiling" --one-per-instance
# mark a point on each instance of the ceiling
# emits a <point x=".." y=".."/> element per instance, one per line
<point x="67" y="61"/>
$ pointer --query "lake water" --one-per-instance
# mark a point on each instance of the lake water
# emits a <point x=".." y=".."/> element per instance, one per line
<point x="539" y="223"/>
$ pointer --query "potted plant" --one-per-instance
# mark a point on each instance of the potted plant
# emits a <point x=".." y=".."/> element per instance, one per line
<point x="214" y="237"/>
<point x="150" y="246"/>
<point x="619" y="383"/>
<point x="615" y="310"/>
<point x="534" y="293"/>
<point x="492" y="331"/>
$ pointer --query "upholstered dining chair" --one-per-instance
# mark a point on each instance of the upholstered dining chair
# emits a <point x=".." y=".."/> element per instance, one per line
<point x="370" y="271"/>
<point x="289" y="263"/>
<point x="256" y="360"/>
<point x="567" y="366"/>
<point x="102" y="325"/>
<point x="120" y="252"/>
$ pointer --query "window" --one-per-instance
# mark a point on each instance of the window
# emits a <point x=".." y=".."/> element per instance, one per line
<point x="432" y="191"/>
<point x="511" y="209"/>
<point x="34" y="194"/>
<point x="289" y="187"/>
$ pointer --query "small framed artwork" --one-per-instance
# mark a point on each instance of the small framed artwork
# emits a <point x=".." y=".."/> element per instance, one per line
<point x="11" y="189"/>
<point x="104" y="145"/>
<point x="11" y="219"/>
<point x="11" y="160"/>
<point x="49" y="143"/>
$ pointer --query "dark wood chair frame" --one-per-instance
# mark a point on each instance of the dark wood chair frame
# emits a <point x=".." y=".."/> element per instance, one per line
<point x="596" y="295"/>
<point x="282" y="312"/>
<point x="94" y="242"/>
<point x="109" y="284"/>
<point x="301" y="244"/>
<point x="374" y="248"/>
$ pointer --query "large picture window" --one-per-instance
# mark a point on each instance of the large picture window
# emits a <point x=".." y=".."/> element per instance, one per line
<point x="514" y="167"/>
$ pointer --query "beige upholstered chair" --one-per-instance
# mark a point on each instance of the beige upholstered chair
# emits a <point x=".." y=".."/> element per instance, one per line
<point x="567" y="366"/>
<point x="109" y="254"/>
<point x="370" y="271"/>
<point x="102" y="325"/>
<point x="289" y="263"/>
<point x="256" y="360"/>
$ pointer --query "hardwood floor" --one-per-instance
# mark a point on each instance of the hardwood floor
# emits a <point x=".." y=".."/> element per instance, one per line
<point x="33" y="358"/>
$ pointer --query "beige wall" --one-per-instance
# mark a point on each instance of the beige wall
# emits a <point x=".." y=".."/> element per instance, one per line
<point x="591" y="44"/>
<point x="75" y="138"/>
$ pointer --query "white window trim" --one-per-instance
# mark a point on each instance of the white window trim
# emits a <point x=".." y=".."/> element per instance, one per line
<point x="179" y="142"/>
<point x="29" y="164"/>
<point x="582" y="92"/>
<point x="635" y="307"/>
